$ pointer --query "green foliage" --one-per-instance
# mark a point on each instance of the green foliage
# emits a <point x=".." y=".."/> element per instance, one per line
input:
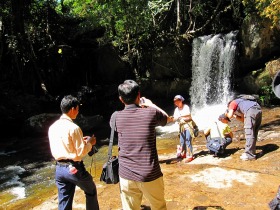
<point x="159" y="6"/>
<point x="270" y="10"/>
<point x="266" y="8"/>
<point x="266" y="95"/>
<point x="137" y="29"/>
<point x="123" y="20"/>
<point x="199" y="9"/>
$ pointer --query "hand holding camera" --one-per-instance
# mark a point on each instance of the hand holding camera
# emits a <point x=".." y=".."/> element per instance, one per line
<point x="144" y="102"/>
<point x="91" y="140"/>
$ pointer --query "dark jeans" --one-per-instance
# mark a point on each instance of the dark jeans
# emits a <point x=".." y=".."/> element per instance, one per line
<point x="67" y="182"/>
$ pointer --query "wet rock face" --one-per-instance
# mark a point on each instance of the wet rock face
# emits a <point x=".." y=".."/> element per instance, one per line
<point x="38" y="125"/>
<point x="258" y="43"/>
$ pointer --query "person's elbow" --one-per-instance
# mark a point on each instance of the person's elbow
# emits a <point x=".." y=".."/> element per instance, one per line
<point x="229" y="114"/>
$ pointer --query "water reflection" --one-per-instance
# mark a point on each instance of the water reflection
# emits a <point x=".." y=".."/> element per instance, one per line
<point x="28" y="168"/>
<point x="27" y="175"/>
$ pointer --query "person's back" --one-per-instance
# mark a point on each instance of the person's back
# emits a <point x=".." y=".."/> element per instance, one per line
<point x="219" y="135"/>
<point x="137" y="142"/>
<point x="242" y="106"/>
<point x="139" y="169"/>
<point x="250" y="114"/>
<point x="219" y="128"/>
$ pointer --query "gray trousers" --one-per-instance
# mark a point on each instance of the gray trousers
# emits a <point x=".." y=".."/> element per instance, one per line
<point x="252" y="122"/>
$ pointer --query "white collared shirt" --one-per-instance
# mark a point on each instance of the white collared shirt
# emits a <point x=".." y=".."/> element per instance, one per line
<point x="66" y="140"/>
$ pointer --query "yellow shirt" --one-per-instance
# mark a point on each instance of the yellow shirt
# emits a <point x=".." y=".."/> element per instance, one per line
<point x="66" y="140"/>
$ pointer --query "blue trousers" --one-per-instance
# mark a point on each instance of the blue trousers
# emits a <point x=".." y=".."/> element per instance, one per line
<point x="186" y="141"/>
<point x="67" y="182"/>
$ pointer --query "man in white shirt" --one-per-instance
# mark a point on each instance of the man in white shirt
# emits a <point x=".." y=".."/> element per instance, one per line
<point x="68" y="147"/>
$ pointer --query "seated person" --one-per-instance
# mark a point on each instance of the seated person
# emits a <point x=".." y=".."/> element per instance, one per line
<point x="224" y="131"/>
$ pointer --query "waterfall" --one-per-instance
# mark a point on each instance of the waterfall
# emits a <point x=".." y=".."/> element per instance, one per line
<point x="213" y="61"/>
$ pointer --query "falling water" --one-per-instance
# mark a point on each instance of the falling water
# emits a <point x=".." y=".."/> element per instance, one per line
<point x="213" y="62"/>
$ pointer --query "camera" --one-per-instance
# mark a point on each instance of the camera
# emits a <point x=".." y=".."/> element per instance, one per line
<point x="93" y="151"/>
<point x="141" y="102"/>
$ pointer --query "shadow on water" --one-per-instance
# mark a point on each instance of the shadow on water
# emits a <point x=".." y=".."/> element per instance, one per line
<point x="270" y="125"/>
<point x="227" y="153"/>
<point x="265" y="149"/>
<point x="206" y="207"/>
<point x="170" y="161"/>
<point x="144" y="207"/>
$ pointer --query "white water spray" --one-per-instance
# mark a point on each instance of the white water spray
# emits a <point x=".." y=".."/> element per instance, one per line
<point x="213" y="61"/>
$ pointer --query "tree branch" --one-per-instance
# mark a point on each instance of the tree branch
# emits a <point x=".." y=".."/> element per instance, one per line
<point x="190" y="33"/>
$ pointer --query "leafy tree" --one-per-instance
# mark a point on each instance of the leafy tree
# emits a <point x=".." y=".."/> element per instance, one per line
<point x="20" y="35"/>
<point x="136" y="28"/>
<point x="35" y="34"/>
<point x="266" y="8"/>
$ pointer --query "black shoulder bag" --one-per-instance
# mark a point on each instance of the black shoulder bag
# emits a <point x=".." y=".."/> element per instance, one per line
<point x="110" y="172"/>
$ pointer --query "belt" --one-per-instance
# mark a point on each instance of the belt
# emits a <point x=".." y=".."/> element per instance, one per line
<point x="67" y="162"/>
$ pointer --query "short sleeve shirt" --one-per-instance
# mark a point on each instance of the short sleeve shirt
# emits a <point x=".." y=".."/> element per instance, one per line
<point x="138" y="157"/>
<point x="241" y="106"/>
<point x="181" y="112"/>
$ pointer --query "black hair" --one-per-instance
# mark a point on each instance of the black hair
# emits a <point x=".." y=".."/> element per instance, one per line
<point x="128" y="90"/>
<point x="68" y="102"/>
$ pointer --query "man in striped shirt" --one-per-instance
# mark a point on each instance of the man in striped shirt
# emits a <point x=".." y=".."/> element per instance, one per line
<point x="139" y="169"/>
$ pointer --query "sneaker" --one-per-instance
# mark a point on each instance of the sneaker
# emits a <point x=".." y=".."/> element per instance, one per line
<point x="189" y="159"/>
<point x="245" y="157"/>
<point x="181" y="155"/>
<point x="179" y="150"/>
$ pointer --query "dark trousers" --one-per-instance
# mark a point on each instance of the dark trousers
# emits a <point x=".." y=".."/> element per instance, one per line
<point x="67" y="182"/>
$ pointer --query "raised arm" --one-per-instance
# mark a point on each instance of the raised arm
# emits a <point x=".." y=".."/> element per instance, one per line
<point x="148" y="103"/>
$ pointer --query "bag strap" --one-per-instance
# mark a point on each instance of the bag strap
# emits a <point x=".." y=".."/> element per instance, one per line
<point x="221" y="139"/>
<point x="112" y="136"/>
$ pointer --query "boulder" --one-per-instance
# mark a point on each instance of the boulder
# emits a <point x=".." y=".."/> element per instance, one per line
<point x="259" y="43"/>
<point x="38" y="125"/>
